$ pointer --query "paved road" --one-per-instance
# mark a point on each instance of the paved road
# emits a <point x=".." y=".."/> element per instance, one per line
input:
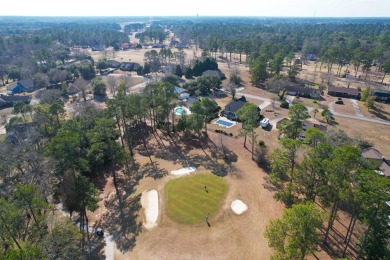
<point x="359" y="115"/>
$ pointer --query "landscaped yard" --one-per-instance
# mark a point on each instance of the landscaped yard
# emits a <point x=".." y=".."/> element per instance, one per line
<point x="193" y="197"/>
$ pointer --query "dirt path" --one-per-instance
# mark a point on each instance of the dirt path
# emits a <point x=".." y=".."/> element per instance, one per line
<point x="109" y="249"/>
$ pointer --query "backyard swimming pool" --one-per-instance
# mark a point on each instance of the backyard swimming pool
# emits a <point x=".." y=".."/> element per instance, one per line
<point x="182" y="111"/>
<point x="224" y="123"/>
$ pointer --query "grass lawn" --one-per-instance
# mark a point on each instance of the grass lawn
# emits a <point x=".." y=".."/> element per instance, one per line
<point x="189" y="202"/>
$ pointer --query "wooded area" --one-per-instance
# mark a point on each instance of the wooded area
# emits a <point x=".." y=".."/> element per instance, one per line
<point x="50" y="158"/>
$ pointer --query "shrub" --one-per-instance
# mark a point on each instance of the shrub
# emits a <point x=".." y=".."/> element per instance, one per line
<point x="284" y="104"/>
<point x="261" y="143"/>
<point x="223" y="132"/>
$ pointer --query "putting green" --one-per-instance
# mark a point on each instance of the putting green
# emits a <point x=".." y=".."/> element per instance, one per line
<point x="188" y="200"/>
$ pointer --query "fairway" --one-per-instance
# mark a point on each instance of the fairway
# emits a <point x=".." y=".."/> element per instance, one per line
<point x="188" y="200"/>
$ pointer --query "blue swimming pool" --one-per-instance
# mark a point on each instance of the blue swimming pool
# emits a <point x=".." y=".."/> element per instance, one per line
<point x="179" y="111"/>
<point x="182" y="111"/>
<point x="224" y="123"/>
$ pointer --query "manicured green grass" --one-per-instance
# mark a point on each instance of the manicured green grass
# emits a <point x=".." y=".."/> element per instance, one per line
<point x="189" y="202"/>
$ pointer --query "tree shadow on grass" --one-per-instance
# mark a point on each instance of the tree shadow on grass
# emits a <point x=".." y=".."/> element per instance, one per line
<point x="121" y="220"/>
<point x="269" y="185"/>
<point x="379" y="113"/>
<point x="153" y="170"/>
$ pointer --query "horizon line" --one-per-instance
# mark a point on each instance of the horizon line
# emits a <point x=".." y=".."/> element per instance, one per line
<point x="196" y="16"/>
<point x="239" y="16"/>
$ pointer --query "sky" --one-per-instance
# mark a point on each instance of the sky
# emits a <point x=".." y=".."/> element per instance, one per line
<point x="286" y="8"/>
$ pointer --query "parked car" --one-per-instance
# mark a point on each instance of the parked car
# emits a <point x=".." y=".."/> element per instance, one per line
<point x="339" y="101"/>
<point x="264" y="123"/>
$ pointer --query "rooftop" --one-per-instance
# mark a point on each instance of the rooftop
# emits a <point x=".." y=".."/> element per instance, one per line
<point x="385" y="168"/>
<point x="179" y="90"/>
<point x="235" y="105"/>
<point x="372" y="153"/>
<point x="349" y="91"/>
<point x="322" y="128"/>
<point x="301" y="90"/>
<point x="15" y="98"/>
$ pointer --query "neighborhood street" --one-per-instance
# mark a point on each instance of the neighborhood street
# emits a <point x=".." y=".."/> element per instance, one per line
<point x="358" y="116"/>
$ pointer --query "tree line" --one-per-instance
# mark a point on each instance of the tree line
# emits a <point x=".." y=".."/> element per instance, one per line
<point x="329" y="170"/>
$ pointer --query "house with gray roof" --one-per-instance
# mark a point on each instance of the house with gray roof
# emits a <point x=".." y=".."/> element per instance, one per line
<point x="21" y="86"/>
<point x="231" y="109"/>
<point x="9" y="101"/>
<point x="343" y="92"/>
<point x="381" y="95"/>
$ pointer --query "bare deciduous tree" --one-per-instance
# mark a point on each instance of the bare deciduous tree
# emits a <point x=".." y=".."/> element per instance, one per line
<point x="111" y="83"/>
<point x="82" y="85"/>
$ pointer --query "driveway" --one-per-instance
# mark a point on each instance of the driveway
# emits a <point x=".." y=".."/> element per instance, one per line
<point x="356" y="107"/>
<point x="266" y="101"/>
<point x="357" y="117"/>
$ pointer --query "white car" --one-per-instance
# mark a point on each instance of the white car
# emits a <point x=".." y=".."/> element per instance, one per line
<point x="264" y="123"/>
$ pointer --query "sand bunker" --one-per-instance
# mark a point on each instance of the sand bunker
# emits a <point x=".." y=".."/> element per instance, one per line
<point x="183" y="171"/>
<point x="149" y="201"/>
<point x="239" y="207"/>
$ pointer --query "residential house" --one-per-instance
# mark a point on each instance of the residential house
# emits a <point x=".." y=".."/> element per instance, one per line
<point x="129" y="66"/>
<point x="21" y="86"/>
<point x="217" y="73"/>
<point x="372" y="154"/>
<point x="135" y="46"/>
<point x="280" y="121"/>
<point x="181" y="45"/>
<point x="303" y="92"/>
<point x="72" y="90"/>
<point x="183" y="93"/>
<point x="9" y="101"/>
<point x="343" y="92"/>
<point x="385" y="168"/>
<point x="124" y="46"/>
<point x="377" y="157"/>
<point x="307" y="124"/>
<point x="113" y="64"/>
<point x="381" y="95"/>
<point x="158" y="45"/>
<point x="232" y="108"/>
<point x="97" y="48"/>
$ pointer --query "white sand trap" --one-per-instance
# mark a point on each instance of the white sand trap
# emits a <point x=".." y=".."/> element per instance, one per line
<point x="183" y="171"/>
<point x="149" y="201"/>
<point x="239" y="207"/>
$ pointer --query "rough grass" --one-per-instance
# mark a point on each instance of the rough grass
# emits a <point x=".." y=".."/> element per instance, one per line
<point x="189" y="202"/>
